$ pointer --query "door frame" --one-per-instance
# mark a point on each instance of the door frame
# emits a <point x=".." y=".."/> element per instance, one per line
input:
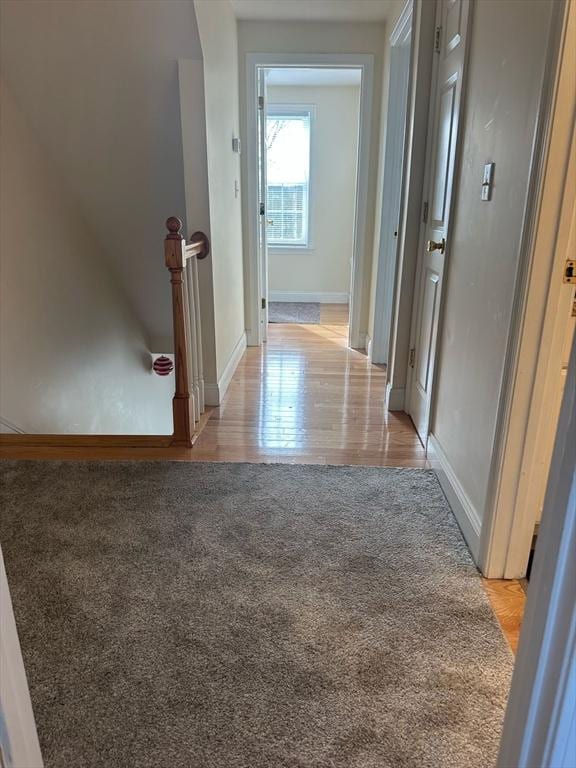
<point x="19" y="743"/>
<point x="533" y="348"/>
<point x="261" y="190"/>
<point x="540" y="721"/>
<point x="396" y="153"/>
<point x="360" y="256"/>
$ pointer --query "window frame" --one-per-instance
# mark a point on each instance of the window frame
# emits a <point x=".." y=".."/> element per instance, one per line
<point x="277" y="109"/>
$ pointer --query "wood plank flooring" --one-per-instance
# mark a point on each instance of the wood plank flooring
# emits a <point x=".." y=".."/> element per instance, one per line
<point x="304" y="397"/>
<point x="508" y="600"/>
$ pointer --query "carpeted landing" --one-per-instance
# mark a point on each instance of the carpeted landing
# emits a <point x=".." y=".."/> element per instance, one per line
<point x="202" y="615"/>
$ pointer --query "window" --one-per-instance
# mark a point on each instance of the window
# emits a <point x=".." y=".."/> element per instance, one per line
<point x="288" y="175"/>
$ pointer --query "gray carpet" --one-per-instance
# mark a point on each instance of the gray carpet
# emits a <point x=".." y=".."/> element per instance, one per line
<point x="301" y="312"/>
<point x="177" y="615"/>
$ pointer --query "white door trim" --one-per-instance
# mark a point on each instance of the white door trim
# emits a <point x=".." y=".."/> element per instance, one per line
<point x="360" y="259"/>
<point x="509" y="525"/>
<point x="393" y="195"/>
<point x="18" y="738"/>
<point x="540" y="722"/>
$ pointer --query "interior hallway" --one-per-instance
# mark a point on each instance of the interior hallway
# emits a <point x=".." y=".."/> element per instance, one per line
<point x="304" y="397"/>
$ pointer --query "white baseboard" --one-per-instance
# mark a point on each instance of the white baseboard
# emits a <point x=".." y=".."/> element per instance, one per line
<point x="466" y="515"/>
<point x="369" y="347"/>
<point x="395" y="398"/>
<point x="359" y="341"/>
<point x="211" y="393"/>
<point x="252" y="338"/>
<point x="7" y="428"/>
<point x="214" y="392"/>
<point x="324" y="297"/>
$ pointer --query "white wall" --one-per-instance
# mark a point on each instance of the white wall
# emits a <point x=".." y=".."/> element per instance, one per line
<point x="320" y="37"/>
<point x="98" y="82"/>
<point x="507" y="51"/>
<point x="218" y="35"/>
<point x="74" y="357"/>
<point x="325" y="266"/>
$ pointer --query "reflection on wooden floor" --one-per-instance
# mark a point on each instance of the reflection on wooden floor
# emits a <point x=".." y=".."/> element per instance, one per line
<point x="305" y="397"/>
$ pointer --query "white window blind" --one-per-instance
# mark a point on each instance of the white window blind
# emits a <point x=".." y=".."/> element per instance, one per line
<point x="288" y="175"/>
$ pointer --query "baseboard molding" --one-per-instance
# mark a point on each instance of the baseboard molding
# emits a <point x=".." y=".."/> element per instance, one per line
<point x="211" y="393"/>
<point x="395" y="398"/>
<point x="214" y="392"/>
<point x="369" y="342"/>
<point x="324" y="297"/>
<point x="7" y="428"/>
<point x="466" y="515"/>
<point x="85" y="441"/>
<point x="359" y="341"/>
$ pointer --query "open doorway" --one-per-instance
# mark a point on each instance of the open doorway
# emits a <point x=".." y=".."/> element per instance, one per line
<point x="308" y="221"/>
<point x="311" y="155"/>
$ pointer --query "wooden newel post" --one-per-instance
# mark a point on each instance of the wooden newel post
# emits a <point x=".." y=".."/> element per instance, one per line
<point x="181" y="406"/>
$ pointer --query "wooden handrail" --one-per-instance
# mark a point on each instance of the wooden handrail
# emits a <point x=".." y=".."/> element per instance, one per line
<point x="187" y="405"/>
<point x="198" y="246"/>
<point x="176" y="254"/>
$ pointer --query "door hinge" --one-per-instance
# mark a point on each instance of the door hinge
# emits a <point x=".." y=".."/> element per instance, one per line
<point x="437" y="36"/>
<point x="412" y="358"/>
<point x="569" y="271"/>
<point x="262" y="209"/>
<point x="263" y="303"/>
<point x="260" y="102"/>
<point x="425" y="212"/>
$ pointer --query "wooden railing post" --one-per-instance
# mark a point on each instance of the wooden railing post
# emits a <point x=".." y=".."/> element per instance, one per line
<point x="182" y="408"/>
<point x="199" y="371"/>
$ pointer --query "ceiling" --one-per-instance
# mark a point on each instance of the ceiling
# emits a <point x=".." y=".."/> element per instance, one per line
<point x="313" y="77"/>
<point x="315" y="10"/>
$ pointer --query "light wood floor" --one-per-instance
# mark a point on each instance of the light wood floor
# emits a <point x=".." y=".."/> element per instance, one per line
<point x="304" y="397"/>
<point x="508" y="600"/>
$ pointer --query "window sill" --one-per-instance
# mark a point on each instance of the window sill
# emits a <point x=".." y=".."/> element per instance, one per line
<point x="296" y="248"/>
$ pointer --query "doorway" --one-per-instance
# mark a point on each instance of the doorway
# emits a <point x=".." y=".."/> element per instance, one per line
<point x="310" y="152"/>
<point x="307" y="225"/>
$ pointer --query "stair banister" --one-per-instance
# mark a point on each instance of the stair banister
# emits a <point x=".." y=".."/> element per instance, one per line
<point x="181" y="262"/>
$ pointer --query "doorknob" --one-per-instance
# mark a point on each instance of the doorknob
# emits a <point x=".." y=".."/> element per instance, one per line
<point x="270" y="221"/>
<point x="431" y="245"/>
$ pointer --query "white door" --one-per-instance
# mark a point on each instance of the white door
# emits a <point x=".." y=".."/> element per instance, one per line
<point x="400" y="55"/>
<point x="450" y="46"/>
<point x="262" y="204"/>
